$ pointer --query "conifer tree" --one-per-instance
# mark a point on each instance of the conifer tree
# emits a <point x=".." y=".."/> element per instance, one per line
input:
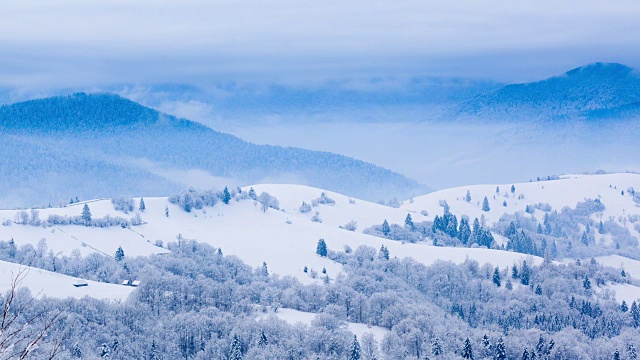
<point x="467" y="197"/>
<point x="384" y="252"/>
<point x="485" y="204"/>
<point x="252" y="194"/>
<point x="235" y="353"/>
<point x="86" y="215"/>
<point x="514" y="271"/>
<point x="264" y="271"/>
<point x="624" y="307"/>
<point x="226" y="196"/>
<point x="409" y="222"/>
<point x="153" y="352"/>
<point x="496" y="277"/>
<point x="142" y="207"/>
<point x="525" y="355"/>
<point x="166" y="211"/>
<point x="321" y="249"/>
<point x="513" y="188"/>
<point x="104" y="351"/>
<point x="616" y="355"/>
<point x="540" y="347"/>
<point x="586" y="283"/>
<point x="355" y="349"/>
<point x="386" y="229"/>
<point x="524" y="274"/>
<point x="436" y="348"/>
<point x="119" y="254"/>
<point x="501" y="352"/>
<point x="631" y="352"/>
<point x="262" y="342"/>
<point x="76" y="351"/>
<point x="635" y="314"/>
<point x="467" y="351"/>
<point x="508" y="285"/>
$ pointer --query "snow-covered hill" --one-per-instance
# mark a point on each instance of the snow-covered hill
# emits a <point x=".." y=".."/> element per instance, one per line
<point x="45" y="283"/>
<point x="286" y="239"/>
<point x="569" y="190"/>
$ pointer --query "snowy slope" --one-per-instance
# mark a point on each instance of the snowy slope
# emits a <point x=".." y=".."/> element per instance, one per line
<point x="286" y="241"/>
<point x="344" y="210"/>
<point x="45" y="283"/>
<point x="295" y="316"/>
<point x="630" y="266"/>
<point x="567" y="191"/>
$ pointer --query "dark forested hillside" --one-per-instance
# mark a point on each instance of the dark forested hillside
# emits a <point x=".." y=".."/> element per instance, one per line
<point x="135" y="147"/>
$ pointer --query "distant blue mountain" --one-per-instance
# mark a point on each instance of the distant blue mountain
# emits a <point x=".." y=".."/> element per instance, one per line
<point x="94" y="145"/>
<point x="592" y="91"/>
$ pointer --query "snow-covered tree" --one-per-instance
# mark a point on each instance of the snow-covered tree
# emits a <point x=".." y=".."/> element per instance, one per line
<point x="485" y="204"/>
<point x="226" y="196"/>
<point x="386" y="229"/>
<point x="321" y="249"/>
<point x="467" y="351"/>
<point x="142" y="207"/>
<point x="119" y="254"/>
<point x="86" y="215"/>
<point x="496" y="277"/>
<point x="355" y="352"/>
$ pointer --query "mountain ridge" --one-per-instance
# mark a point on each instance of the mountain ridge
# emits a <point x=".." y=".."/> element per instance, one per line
<point x="585" y="92"/>
<point x="104" y="128"/>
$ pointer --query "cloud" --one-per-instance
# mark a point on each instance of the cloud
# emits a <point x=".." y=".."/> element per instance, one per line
<point x="76" y="42"/>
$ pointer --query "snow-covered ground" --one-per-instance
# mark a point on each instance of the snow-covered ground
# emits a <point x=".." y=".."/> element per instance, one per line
<point x="286" y="240"/>
<point x="45" y="283"/>
<point x="295" y="316"/>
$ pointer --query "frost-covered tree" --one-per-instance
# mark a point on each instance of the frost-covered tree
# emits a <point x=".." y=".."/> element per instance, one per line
<point x="321" y="249"/>
<point x="525" y="274"/>
<point x="119" y="254"/>
<point x="86" y="215"/>
<point x="496" y="277"/>
<point x="355" y="352"/>
<point x="226" y="195"/>
<point x="467" y="196"/>
<point x="142" y="207"/>
<point x="235" y="353"/>
<point x="467" y="351"/>
<point x="166" y="211"/>
<point x="386" y="229"/>
<point x="304" y="208"/>
<point x="500" y="351"/>
<point x="485" y="204"/>
<point x="436" y="347"/>
<point x="262" y="342"/>
<point x="513" y="188"/>
<point x="384" y="253"/>
<point x="408" y="221"/>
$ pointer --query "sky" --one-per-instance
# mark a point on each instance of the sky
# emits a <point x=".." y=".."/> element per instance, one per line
<point x="84" y="43"/>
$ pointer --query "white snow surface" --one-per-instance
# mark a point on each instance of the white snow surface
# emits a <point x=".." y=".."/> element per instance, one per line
<point x="566" y="191"/>
<point x="293" y="317"/>
<point x="630" y="266"/>
<point x="45" y="283"/>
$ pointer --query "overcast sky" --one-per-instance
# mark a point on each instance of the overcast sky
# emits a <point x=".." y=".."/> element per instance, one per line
<point x="69" y="43"/>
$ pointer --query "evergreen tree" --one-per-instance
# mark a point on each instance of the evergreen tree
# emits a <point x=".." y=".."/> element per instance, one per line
<point x="235" y="353"/>
<point x="541" y="346"/>
<point x="525" y="355"/>
<point x="623" y="273"/>
<point x="501" y="352"/>
<point x="514" y="272"/>
<point x="631" y="352"/>
<point x="86" y="215"/>
<point x="119" y="254"/>
<point x="496" y="277"/>
<point x="262" y="342"/>
<point x="485" y="204"/>
<point x="386" y="229"/>
<point x="142" y="206"/>
<point x="624" y="307"/>
<point x="153" y="352"/>
<point x="464" y="232"/>
<point x="166" y="211"/>
<point x="355" y="349"/>
<point x="585" y="239"/>
<point x="635" y="314"/>
<point x="76" y="351"/>
<point x="436" y="348"/>
<point x="524" y="274"/>
<point x="538" y="290"/>
<point x="226" y="196"/>
<point x="586" y="283"/>
<point x="497" y="189"/>
<point x="600" y="227"/>
<point x="616" y="355"/>
<point x="467" y="197"/>
<point x="513" y="188"/>
<point x="408" y="221"/>
<point x="384" y="252"/>
<point x="508" y="285"/>
<point x="467" y="351"/>
<point x="321" y="249"/>
<point x="252" y="194"/>
<point x="104" y="351"/>
<point x="264" y="271"/>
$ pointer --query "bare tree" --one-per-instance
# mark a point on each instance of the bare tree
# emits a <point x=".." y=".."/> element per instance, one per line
<point x="23" y="328"/>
